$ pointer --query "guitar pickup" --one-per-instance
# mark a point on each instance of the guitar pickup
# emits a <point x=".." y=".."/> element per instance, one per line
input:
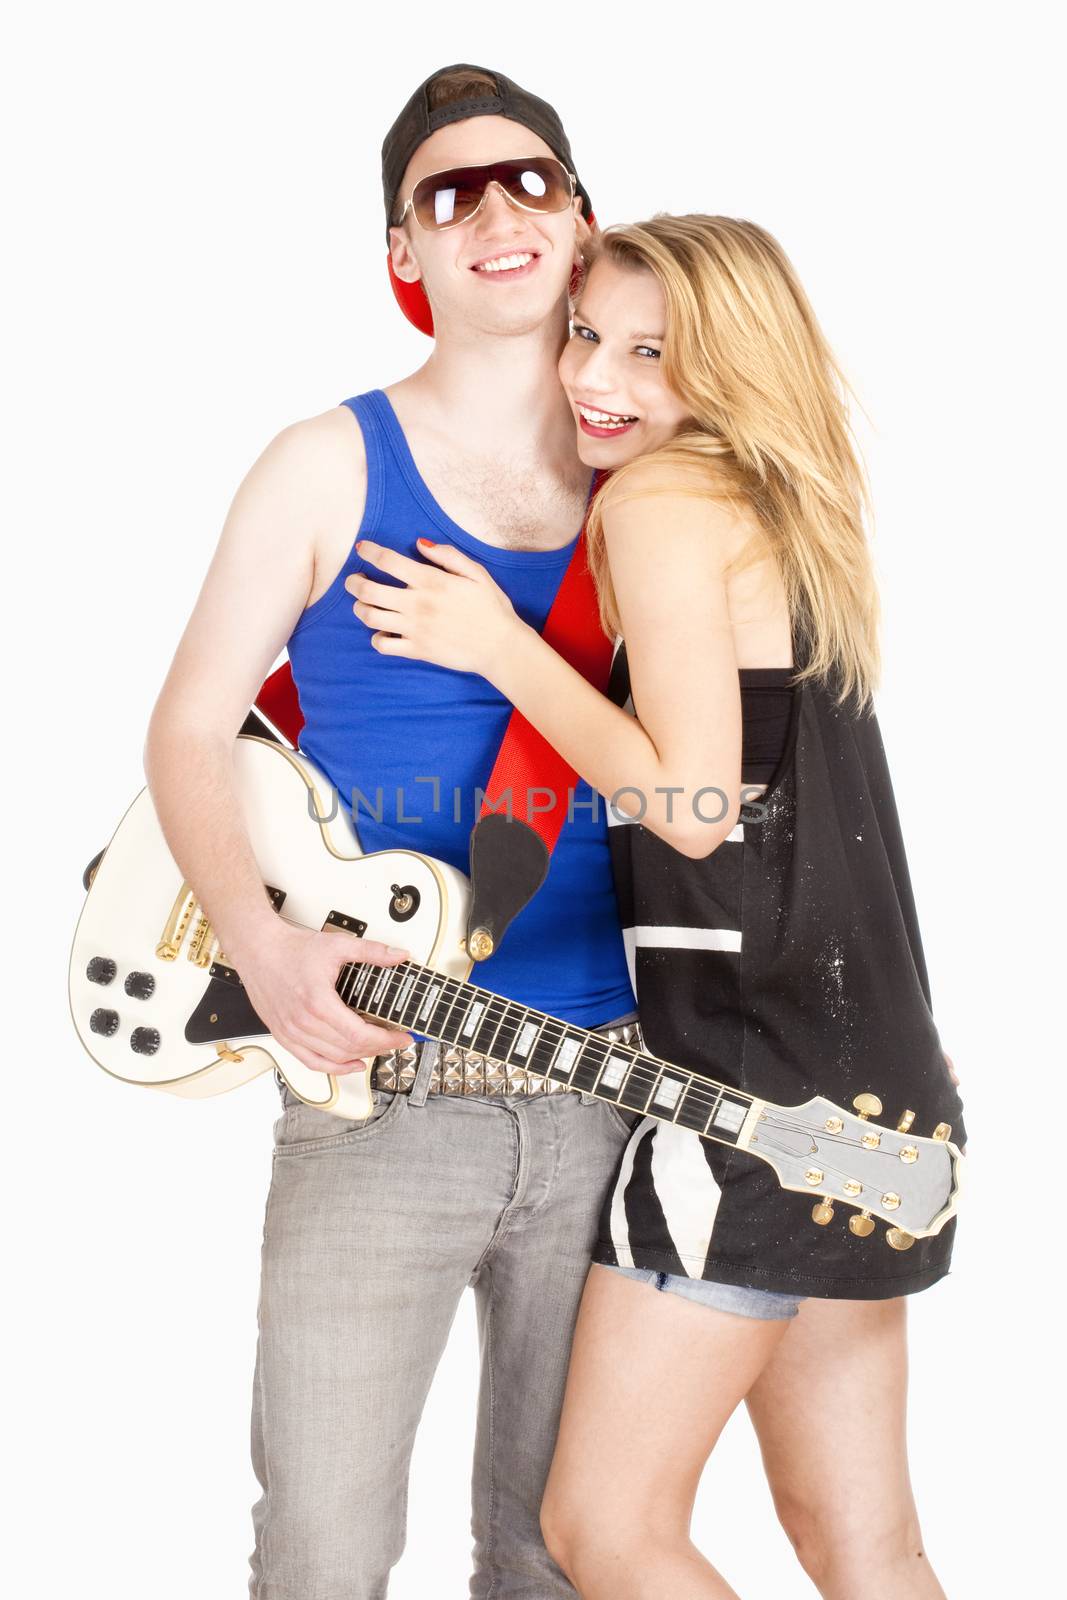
<point x="343" y="922"/>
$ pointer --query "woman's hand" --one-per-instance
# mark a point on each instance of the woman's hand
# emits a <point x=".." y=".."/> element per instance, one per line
<point x="451" y="613"/>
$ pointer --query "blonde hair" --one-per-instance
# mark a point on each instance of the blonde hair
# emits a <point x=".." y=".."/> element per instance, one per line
<point x="769" y="429"/>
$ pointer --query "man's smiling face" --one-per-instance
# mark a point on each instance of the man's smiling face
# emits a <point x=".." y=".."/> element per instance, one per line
<point x="506" y="271"/>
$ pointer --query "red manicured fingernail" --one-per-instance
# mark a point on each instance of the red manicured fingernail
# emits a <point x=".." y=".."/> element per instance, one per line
<point x="431" y="542"/>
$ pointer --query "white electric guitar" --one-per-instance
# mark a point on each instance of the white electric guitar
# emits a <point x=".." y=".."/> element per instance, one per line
<point x="155" y="1001"/>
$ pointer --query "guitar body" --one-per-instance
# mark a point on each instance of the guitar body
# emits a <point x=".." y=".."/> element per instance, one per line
<point x="152" y="997"/>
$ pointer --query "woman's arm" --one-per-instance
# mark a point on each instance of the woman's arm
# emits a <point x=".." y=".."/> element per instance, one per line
<point x="666" y="554"/>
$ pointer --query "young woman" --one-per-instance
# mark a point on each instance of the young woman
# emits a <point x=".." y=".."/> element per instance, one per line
<point x="765" y="897"/>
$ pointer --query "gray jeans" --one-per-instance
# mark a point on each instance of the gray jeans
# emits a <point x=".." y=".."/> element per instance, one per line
<point x="372" y="1232"/>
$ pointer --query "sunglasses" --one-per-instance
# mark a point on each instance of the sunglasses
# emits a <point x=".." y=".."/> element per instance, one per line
<point x="445" y="199"/>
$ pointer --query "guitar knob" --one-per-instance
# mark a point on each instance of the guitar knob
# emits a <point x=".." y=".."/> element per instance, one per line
<point x="140" y="985"/>
<point x="823" y="1212"/>
<point x="941" y="1132"/>
<point x="861" y="1224"/>
<point x="103" y="1021"/>
<point x="144" y="1041"/>
<point x="868" y="1105"/>
<point x="904" y="1125"/>
<point x="897" y="1239"/>
<point x="101" y="969"/>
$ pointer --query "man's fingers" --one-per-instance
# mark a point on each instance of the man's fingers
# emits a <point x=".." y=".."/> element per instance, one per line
<point x="337" y="1069"/>
<point x="361" y="1064"/>
<point x="376" y="951"/>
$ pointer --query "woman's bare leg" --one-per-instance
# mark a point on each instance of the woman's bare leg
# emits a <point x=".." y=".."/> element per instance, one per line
<point x="653" y="1379"/>
<point x="829" y="1409"/>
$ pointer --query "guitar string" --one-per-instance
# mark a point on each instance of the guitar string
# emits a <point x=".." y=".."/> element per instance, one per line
<point x="426" y="976"/>
<point x="695" y="1093"/>
<point x="701" y="1098"/>
<point x="465" y="990"/>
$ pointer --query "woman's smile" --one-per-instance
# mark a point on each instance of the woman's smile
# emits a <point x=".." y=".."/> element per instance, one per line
<point x="602" y="424"/>
<point x="610" y="367"/>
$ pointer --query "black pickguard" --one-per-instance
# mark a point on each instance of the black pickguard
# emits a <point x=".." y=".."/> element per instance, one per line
<point x="224" y="1012"/>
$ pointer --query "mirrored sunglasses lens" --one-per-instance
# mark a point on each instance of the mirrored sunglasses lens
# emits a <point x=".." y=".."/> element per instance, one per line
<point x="539" y="185"/>
<point x="445" y="198"/>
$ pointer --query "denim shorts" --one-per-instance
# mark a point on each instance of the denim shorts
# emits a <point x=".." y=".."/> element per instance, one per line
<point x="720" y="1296"/>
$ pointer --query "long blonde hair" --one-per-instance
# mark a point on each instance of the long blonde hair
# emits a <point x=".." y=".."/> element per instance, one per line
<point x="770" y="429"/>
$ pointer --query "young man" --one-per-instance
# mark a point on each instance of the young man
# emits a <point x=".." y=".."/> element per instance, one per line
<point x="460" y="1175"/>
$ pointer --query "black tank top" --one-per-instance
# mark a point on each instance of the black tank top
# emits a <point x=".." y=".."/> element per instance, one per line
<point x="766" y="706"/>
<point x="787" y="963"/>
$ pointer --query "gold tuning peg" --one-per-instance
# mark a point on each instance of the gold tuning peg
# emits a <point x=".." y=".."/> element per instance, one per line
<point x="897" y="1239"/>
<point x="823" y="1211"/>
<point x="868" y="1105"/>
<point x="942" y="1131"/>
<point x="861" y="1223"/>
<point x="904" y="1125"/>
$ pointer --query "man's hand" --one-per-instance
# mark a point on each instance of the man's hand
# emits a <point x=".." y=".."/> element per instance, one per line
<point x="291" y="975"/>
<point x="951" y="1069"/>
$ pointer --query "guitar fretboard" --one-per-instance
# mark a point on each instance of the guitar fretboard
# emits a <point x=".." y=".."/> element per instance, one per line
<point x="414" y="997"/>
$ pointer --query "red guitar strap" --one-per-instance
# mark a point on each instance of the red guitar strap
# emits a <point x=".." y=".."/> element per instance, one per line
<point x="530" y="783"/>
<point x="278" y="701"/>
<point x="526" y="764"/>
<point x="525" y="758"/>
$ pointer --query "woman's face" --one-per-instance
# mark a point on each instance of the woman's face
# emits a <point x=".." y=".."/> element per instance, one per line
<point x="610" y="367"/>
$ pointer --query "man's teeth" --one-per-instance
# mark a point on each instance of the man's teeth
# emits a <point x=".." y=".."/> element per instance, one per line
<point x="605" y="419"/>
<point x="505" y="263"/>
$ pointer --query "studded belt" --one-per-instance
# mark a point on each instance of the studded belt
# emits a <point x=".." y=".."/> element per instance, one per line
<point x="458" y="1070"/>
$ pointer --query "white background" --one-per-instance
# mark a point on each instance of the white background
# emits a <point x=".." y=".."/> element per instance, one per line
<point x="196" y="259"/>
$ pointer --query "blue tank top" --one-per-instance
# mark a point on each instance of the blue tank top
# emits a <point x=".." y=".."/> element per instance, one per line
<point x="383" y="728"/>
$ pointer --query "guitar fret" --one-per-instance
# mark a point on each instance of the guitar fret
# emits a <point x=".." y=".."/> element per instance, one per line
<point x="403" y="996"/>
<point x="439" y="1023"/>
<point x="487" y="1024"/>
<point x="525" y="1034"/>
<point x="714" y="1109"/>
<point x="613" y="1075"/>
<point x="567" y="1053"/>
<point x="412" y="999"/>
<point x="689" y="1116"/>
<point x="505" y="1032"/>
<point x="429" y="1000"/>
<point x="729" y="1115"/>
<point x="490" y="1021"/>
<point x="543" y="1050"/>
<point x="389" y="994"/>
<point x="585" y="1074"/>
<point x="478" y="1007"/>
<point x="655" y="1086"/>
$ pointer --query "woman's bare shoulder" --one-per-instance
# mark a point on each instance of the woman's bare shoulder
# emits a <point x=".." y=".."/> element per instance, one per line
<point x="677" y="497"/>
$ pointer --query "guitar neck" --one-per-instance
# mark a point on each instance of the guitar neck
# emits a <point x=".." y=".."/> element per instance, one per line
<point x="415" y="997"/>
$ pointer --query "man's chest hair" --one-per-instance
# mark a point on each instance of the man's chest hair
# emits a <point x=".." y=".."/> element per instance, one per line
<point x="514" y="505"/>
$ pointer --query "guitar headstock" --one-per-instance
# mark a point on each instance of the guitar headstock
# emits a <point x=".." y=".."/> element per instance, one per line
<point x="910" y="1182"/>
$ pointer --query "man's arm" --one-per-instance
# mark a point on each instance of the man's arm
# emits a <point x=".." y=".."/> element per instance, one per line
<point x="257" y="585"/>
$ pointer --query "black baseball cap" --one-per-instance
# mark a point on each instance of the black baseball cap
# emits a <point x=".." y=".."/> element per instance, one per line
<point x="418" y="120"/>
